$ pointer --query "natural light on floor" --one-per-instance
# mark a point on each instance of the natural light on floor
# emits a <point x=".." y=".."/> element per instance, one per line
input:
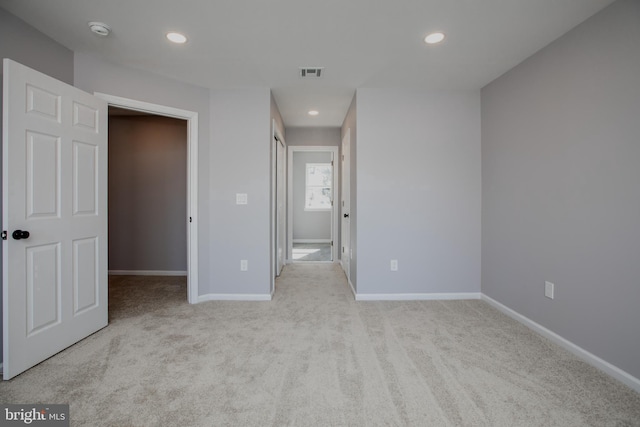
<point x="301" y="253"/>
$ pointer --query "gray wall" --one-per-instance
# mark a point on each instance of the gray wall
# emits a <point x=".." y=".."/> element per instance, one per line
<point x="24" y="44"/>
<point x="418" y="183"/>
<point x="561" y="193"/>
<point x="28" y="46"/>
<point x="307" y="225"/>
<point x="350" y="126"/>
<point x="240" y="163"/>
<point x="147" y="193"/>
<point x="326" y="137"/>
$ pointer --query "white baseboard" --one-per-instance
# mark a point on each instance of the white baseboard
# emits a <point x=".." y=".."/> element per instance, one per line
<point x="353" y="290"/>
<point x="580" y="352"/>
<point x="311" y="240"/>
<point x="234" y="297"/>
<point x="417" y="297"/>
<point x="147" y="273"/>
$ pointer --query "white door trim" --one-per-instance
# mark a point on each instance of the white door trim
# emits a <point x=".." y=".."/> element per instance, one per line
<point x="192" y="177"/>
<point x="276" y="138"/>
<point x="345" y="197"/>
<point x="334" y="217"/>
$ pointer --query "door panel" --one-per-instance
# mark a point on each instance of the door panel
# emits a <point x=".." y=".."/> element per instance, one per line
<point x="54" y="187"/>
<point x="85" y="117"/>
<point x="85" y="275"/>
<point x="43" y="288"/>
<point x="43" y="175"/>
<point x="85" y="178"/>
<point x="41" y="102"/>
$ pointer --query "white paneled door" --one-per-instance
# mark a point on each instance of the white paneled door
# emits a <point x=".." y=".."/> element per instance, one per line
<point x="54" y="198"/>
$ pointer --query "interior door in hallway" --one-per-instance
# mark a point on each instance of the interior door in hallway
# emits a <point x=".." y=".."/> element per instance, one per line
<point x="345" y="253"/>
<point x="54" y="213"/>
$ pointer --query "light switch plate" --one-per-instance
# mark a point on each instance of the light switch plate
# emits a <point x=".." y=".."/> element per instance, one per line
<point x="242" y="199"/>
<point x="549" y="289"/>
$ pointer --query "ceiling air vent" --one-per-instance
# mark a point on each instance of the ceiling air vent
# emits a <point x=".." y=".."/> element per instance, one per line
<point x="311" y="72"/>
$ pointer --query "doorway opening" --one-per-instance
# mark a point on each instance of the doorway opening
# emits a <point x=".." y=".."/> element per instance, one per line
<point x="169" y="216"/>
<point x="312" y="225"/>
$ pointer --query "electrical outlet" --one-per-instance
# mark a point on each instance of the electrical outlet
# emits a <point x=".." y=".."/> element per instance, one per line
<point x="549" y="289"/>
<point x="394" y="265"/>
<point x="244" y="265"/>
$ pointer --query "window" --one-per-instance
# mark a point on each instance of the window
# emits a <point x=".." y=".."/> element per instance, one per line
<point x="318" y="187"/>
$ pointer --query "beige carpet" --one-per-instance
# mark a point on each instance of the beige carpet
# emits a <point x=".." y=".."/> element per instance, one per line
<point x="315" y="357"/>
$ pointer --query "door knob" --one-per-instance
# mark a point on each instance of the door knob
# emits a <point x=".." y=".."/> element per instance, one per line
<point x="346" y="215"/>
<point x="19" y="234"/>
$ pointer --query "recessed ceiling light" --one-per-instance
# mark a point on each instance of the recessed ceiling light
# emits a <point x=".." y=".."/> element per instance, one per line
<point x="434" y="38"/>
<point x="313" y="113"/>
<point x="177" y="37"/>
<point x="100" y="28"/>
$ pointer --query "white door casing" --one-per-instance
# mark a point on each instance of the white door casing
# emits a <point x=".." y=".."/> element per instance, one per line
<point x="278" y="201"/>
<point x="192" y="179"/>
<point x="280" y="204"/>
<point x="345" y="253"/>
<point x="334" y="208"/>
<point x="334" y="212"/>
<point x="54" y="187"/>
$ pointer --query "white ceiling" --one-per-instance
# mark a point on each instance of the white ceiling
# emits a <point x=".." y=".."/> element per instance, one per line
<point x="361" y="43"/>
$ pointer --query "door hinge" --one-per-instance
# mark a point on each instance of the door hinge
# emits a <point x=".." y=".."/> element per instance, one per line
<point x="190" y="219"/>
<point x="331" y="163"/>
<point x="332" y="243"/>
<point x="4" y="234"/>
